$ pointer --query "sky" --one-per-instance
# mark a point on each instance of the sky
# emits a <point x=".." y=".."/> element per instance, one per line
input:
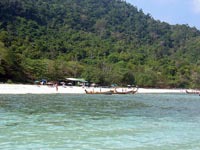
<point x="171" y="11"/>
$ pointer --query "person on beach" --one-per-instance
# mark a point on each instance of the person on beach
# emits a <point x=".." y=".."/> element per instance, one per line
<point x="56" y="86"/>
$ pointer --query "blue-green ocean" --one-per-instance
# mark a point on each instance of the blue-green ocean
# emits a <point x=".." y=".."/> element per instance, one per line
<point x="98" y="122"/>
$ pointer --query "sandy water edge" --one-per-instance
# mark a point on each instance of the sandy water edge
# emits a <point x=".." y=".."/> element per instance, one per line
<point x="43" y="89"/>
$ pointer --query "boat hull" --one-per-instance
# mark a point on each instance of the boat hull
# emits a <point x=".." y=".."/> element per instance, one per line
<point x="93" y="92"/>
<point x="193" y="92"/>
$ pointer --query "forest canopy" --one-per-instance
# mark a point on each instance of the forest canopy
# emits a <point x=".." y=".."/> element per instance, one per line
<point x="103" y="41"/>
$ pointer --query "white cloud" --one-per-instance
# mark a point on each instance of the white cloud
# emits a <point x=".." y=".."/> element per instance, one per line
<point x="196" y="6"/>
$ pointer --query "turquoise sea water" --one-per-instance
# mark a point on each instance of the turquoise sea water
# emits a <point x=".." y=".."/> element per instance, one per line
<point x="90" y="122"/>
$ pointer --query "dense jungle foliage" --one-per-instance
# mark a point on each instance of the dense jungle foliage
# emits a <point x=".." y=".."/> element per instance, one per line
<point x="103" y="41"/>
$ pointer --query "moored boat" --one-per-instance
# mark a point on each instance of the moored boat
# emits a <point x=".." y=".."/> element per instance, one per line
<point x="113" y="91"/>
<point x="193" y="92"/>
<point x="99" y="92"/>
<point x="125" y="91"/>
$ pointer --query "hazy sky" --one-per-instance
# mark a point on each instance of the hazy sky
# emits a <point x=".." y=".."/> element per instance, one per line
<point x="171" y="11"/>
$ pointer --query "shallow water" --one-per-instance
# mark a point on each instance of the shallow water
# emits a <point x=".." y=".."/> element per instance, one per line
<point x="88" y="122"/>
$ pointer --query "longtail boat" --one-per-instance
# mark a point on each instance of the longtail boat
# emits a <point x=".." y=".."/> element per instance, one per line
<point x="125" y="91"/>
<point x="96" y="92"/>
<point x="193" y="92"/>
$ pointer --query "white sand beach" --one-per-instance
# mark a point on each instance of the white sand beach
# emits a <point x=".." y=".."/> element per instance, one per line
<point x="146" y="90"/>
<point x="38" y="89"/>
<point x="44" y="89"/>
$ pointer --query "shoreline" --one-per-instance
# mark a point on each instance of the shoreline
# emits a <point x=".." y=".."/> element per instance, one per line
<point x="44" y="89"/>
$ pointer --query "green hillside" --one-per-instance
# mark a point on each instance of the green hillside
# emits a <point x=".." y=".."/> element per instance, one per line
<point x="103" y="41"/>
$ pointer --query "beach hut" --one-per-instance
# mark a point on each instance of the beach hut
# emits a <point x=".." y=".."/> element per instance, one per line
<point x="76" y="81"/>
